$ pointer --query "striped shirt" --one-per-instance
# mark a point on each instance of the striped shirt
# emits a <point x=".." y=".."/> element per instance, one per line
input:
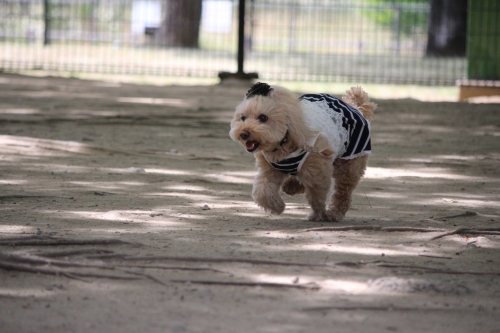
<point x="353" y="128"/>
<point x="347" y="131"/>
<point x="292" y="164"/>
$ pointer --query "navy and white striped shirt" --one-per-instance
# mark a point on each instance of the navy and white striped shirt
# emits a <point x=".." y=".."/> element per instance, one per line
<point x="358" y="128"/>
<point x="348" y="132"/>
<point x="292" y="164"/>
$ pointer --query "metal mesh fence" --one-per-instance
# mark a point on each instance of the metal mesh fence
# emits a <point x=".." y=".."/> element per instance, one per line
<point x="307" y="40"/>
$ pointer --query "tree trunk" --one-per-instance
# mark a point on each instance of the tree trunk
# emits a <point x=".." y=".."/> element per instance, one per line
<point x="181" y="24"/>
<point x="447" y="35"/>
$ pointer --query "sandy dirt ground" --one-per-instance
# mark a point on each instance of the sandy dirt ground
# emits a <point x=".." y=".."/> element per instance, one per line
<point x="127" y="208"/>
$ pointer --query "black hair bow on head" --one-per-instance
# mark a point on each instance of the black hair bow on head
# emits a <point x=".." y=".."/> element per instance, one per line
<point x="259" y="88"/>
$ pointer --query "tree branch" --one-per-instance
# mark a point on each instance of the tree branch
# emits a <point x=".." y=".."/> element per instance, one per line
<point x="310" y="286"/>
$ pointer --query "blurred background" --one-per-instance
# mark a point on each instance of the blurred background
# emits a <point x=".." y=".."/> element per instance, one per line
<point x="302" y="42"/>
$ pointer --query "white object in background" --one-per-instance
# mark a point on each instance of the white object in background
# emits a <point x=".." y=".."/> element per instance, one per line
<point x="145" y="14"/>
<point x="217" y="16"/>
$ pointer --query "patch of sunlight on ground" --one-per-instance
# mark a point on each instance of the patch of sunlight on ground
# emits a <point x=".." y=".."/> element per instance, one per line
<point x="229" y="179"/>
<point x="93" y="113"/>
<point x="343" y="286"/>
<point x="331" y="285"/>
<point x="15" y="229"/>
<point x="460" y="195"/>
<point x="268" y="278"/>
<point x="170" y="172"/>
<point x="464" y="202"/>
<point x="456" y="157"/>
<point x="197" y="197"/>
<point x="181" y="103"/>
<point x="26" y="292"/>
<point x="376" y="251"/>
<point x="126" y="216"/>
<point x="20" y="111"/>
<point x="186" y="188"/>
<point x="357" y="250"/>
<point x="233" y="204"/>
<point x="483" y="132"/>
<point x="387" y="195"/>
<point x="106" y="185"/>
<point x="115" y="231"/>
<point x="249" y="214"/>
<point x="251" y="173"/>
<point x="82" y="169"/>
<point x="44" y="145"/>
<point x="379" y="173"/>
<point x="476" y="241"/>
<point x="13" y="181"/>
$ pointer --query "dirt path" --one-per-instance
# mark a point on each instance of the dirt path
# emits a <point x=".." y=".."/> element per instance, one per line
<point x="127" y="209"/>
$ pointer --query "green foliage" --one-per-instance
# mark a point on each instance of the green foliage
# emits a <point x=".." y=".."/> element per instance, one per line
<point x="405" y="16"/>
<point x="483" y="40"/>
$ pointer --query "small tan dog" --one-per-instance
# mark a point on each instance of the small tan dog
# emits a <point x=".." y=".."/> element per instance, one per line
<point x="300" y="144"/>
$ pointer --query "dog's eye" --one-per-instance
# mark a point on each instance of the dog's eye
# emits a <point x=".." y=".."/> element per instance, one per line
<point x="262" y="118"/>
<point x="243" y="118"/>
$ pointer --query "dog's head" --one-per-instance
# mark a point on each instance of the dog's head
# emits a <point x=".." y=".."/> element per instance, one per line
<point x="267" y="119"/>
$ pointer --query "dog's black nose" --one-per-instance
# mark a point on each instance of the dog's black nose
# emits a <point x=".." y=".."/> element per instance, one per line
<point x="244" y="135"/>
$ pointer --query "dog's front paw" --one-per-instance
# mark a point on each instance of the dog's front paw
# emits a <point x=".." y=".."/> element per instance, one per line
<point x="291" y="186"/>
<point x="318" y="217"/>
<point x="272" y="205"/>
<point x="335" y="215"/>
<point x="269" y="200"/>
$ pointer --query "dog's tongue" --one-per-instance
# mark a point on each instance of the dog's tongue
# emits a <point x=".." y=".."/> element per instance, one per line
<point x="249" y="144"/>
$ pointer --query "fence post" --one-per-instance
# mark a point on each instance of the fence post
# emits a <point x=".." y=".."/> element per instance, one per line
<point x="240" y="74"/>
<point x="46" y="18"/>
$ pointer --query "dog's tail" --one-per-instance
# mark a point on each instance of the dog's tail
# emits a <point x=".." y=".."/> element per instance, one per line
<point x="358" y="98"/>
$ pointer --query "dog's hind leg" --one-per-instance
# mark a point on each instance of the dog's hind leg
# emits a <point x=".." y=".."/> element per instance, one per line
<point x="346" y="175"/>
<point x="316" y="178"/>
<point x="316" y="197"/>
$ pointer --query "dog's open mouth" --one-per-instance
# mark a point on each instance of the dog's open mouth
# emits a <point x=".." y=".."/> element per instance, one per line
<point x="251" y="146"/>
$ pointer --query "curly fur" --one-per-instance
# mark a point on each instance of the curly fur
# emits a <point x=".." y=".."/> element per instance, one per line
<point x="272" y="126"/>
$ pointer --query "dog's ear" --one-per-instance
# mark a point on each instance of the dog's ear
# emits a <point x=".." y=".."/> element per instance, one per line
<point x="260" y="88"/>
